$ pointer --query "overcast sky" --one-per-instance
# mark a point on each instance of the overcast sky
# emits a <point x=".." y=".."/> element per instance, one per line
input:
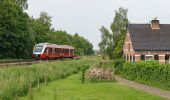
<point x="87" y="16"/>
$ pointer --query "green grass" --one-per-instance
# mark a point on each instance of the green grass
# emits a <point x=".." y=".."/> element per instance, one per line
<point x="15" y="81"/>
<point x="71" y="88"/>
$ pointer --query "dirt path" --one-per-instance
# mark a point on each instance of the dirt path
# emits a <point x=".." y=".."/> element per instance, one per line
<point x="152" y="90"/>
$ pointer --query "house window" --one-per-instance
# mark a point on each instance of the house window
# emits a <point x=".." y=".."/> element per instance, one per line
<point x="156" y="57"/>
<point x="149" y="57"/>
<point x="130" y="57"/>
<point x="133" y="57"/>
<point x="142" y="57"/>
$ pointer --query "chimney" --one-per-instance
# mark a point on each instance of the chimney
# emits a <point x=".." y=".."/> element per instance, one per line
<point x="155" y="24"/>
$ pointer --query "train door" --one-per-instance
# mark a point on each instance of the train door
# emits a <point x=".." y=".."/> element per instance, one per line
<point x="58" y="52"/>
<point x="64" y="53"/>
<point x="46" y="52"/>
<point x="69" y="52"/>
<point x="50" y="52"/>
<point x="61" y="52"/>
<point x="55" y="54"/>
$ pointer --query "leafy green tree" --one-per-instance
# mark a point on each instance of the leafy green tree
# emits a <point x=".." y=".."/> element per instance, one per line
<point x="112" y="42"/>
<point x="106" y="45"/>
<point x="118" y="28"/>
<point x="16" y="37"/>
<point x="83" y="46"/>
<point x="42" y="27"/>
<point x="60" y="37"/>
<point x="23" y="3"/>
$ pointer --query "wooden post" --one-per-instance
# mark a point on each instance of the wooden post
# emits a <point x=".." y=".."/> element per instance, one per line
<point x="30" y="92"/>
<point x="38" y="84"/>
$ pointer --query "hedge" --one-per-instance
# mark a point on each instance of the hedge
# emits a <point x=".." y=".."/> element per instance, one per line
<point x="151" y="73"/>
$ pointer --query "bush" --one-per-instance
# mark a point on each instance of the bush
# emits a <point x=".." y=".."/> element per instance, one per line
<point x="118" y="65"/>
<point x="151" y="73"/>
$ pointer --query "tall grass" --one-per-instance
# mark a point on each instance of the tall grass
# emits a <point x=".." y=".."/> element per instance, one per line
<point x="15" y="81"/>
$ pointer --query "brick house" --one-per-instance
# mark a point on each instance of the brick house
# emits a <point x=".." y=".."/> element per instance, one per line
<point x="147" y="42"/>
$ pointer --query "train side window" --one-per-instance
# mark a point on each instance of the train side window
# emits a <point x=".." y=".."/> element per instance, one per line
<point x="55" y="50"/>
<point x="71" y="51"/>
<point x="50" y="50"/>
<point x="46" y="50"/>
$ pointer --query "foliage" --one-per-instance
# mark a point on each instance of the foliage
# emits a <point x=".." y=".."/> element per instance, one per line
<point x="112" y="42"/>
<point x="106" y="44"/>
<point x="23" y="3"/>
<point x="72" y="89"/>
<point x="42" y="27"/>
<point x="118" y="65"/>
<point x="83" y="73"/>
<point x="151" y="73"/>
<point x="83" y="46"/>
<point x="16" y="36"/>
<point x="16" y="80"/>
<point x="118" y="28"/>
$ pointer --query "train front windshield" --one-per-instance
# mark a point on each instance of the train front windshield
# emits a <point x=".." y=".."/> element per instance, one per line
<point x="38" y="49"/>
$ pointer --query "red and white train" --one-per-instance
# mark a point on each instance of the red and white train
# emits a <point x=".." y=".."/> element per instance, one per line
<point x="52" y="51"/>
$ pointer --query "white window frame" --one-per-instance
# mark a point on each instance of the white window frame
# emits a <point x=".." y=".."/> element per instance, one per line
<point x="150" y="59"/>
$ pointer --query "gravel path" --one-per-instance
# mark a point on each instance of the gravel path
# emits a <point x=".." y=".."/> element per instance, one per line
<point x="150" y="89"/>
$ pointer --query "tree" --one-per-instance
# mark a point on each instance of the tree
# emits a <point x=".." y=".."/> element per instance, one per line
<point x="118" y="28"/>
<point x="83" y="46"/>
<point x="23" y="4"/>
<point x="112" y="42"/>
<point x="16" y="37"/>
<point x="106" y="45"/>
<point x="42" y="27"/>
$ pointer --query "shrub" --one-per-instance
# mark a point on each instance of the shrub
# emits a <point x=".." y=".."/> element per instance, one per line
<point x="151" y="73"/>
<point x="118" y="65"/>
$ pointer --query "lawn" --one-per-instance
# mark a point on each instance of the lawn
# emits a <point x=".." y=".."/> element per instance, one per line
<point x="72" y="89"/>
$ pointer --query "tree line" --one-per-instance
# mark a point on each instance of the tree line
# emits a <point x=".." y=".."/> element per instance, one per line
<point x="19" y="32"/>
<point x="112" y="42"/>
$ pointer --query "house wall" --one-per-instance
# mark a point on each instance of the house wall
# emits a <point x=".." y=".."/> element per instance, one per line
<point x="131" y="55"/>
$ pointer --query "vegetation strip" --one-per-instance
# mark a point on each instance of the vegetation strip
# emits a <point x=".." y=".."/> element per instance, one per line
<point x="150" y="73"/>
<point x="152" y="90"/>
<point x="18" y="81"/>
<point x="71" y="88"/>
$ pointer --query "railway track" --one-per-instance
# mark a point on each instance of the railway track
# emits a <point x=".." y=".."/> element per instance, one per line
<point x="26" y="62"/>
<point x="19" y="62"/>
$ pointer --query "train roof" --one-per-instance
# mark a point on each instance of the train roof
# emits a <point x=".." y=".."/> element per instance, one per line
<point x="55" y="45"/>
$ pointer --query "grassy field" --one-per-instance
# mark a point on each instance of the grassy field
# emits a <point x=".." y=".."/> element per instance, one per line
<point x="71" y="88"/>
<point x="16" y="80"/>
